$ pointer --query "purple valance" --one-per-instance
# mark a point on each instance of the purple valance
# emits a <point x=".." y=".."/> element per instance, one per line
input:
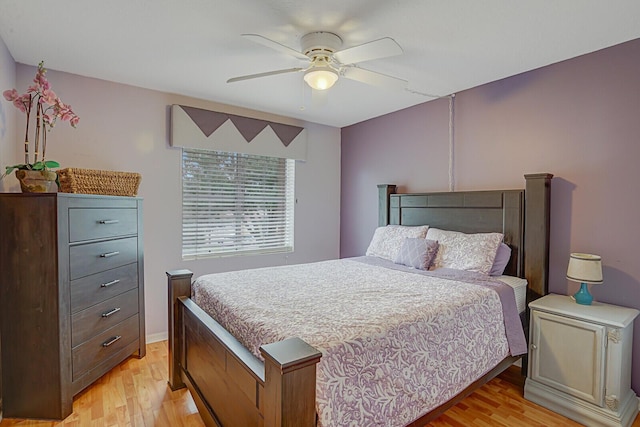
<point x="198" y="128"/>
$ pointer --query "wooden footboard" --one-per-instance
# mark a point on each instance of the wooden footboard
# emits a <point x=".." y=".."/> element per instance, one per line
<point x="229" y="384"/>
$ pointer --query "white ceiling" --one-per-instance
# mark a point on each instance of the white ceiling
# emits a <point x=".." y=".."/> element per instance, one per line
<point x="192" y="47"/>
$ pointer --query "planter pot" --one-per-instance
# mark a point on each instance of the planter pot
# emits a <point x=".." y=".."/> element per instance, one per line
<point x="37" y="181"/>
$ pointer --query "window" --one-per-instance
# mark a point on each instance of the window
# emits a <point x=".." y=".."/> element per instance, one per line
<point x="235" y="204"/>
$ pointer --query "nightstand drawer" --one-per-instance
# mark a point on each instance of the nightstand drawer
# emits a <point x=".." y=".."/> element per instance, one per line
<point x="96" y="257"/>
<point x="90" y="224"/>
<point x="100" y="317"/>
<point x="104" y="345"/>
<point x="99" y="287"/>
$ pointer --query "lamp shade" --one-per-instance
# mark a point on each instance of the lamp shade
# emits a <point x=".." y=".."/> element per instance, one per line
<point x="585" y="268"/>
<point x="320" y="78"/>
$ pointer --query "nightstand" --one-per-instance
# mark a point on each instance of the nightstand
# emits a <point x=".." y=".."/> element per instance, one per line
<point x="580" y="360"/>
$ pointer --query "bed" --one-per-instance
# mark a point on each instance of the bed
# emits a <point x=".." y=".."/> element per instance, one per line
<point x="275" y="384"/>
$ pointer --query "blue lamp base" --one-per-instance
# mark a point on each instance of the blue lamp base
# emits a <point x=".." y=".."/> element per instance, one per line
<point x="583" y="296"/>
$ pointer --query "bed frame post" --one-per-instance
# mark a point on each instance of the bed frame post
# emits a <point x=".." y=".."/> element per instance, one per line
<point x="179" y="285"/>
<point x="290" y="383"/>
<point x="537" y="204"/>
<point x="537" y="224"/>
<point x="384" y="202"/>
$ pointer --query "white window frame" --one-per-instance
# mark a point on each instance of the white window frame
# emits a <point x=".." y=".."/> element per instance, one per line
<point x="236" y="204"/>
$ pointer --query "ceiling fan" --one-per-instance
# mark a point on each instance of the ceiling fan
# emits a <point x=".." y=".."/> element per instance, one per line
<point x="326" y="63"/>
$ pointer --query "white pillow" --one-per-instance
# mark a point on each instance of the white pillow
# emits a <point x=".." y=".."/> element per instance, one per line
<point x="386" y="241"/>
<point x="461" y="251"/>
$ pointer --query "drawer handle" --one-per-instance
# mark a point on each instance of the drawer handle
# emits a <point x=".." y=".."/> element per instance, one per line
<point x="108" y="221"/>
<point x="111" y="283"/>
<point x="110" y="312"/>
<point x="109" y="254"/>
<point x="111" y="341"/>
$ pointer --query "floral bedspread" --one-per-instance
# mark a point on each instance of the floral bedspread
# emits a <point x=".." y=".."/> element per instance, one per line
<point x="394" y="344"/>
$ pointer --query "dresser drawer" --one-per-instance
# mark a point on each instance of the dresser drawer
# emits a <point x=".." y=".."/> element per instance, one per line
<point x="89" y="224"/>
<point x="90" y="322"/>
<point x="104" y="345"/>
<point x="98" y="287"/>
<point x="100" y="256"/>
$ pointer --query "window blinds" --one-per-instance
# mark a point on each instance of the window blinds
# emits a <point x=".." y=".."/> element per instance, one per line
<point x="236" y="203"/>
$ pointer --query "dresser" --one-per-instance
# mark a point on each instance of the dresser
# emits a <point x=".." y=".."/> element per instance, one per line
<point x="71" y="296"/>
<point x="580" y="360"/>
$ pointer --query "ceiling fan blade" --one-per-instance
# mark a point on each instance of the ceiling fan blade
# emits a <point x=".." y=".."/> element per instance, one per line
<point x="268" y="73"/>
<point x="374" y="79"/>
<point x="275" y="45"/>
<point x="381" y="48"/>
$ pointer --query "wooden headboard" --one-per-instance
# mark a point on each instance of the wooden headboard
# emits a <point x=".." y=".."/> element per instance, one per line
<point x="521" y="215"/>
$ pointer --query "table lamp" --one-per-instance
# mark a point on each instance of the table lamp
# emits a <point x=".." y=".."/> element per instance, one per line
<point x="584" y="269"/>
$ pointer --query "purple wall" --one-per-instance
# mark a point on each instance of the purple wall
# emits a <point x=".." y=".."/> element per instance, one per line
<point x="578" y="119"/>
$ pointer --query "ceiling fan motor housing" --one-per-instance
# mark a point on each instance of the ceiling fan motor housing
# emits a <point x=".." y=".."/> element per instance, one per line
<point x="320" y="44"/>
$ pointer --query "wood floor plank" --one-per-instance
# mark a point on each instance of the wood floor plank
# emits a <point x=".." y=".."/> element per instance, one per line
<point x="136" y="394"/>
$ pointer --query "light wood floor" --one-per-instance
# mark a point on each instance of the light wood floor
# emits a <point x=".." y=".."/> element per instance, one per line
<point x="136" y="394"/>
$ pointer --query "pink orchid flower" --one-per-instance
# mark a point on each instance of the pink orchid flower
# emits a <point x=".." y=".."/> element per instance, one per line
<point x="48" y="97"/>
<point x="20" y="106"/>
<point x="49" y="108"/>
<point x="10" y="95"/>
<point x="22" y="103"/>
<point x="40" y="79"/>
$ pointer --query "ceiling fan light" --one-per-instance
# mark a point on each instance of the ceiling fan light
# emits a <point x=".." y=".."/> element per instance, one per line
<point x="321" y="78"/>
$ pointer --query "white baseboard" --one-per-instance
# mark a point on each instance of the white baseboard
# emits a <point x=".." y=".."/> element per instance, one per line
<point x="160" y="336"/>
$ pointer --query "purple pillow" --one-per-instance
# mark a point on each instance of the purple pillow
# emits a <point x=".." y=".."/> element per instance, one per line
<point x="503" y="255"/>
<point x="417" y="253"/>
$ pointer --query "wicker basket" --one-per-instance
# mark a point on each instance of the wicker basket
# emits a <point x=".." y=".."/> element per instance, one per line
<point x="90" y="181"/>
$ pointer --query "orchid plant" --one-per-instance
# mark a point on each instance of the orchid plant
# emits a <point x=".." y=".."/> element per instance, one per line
<point x="48" y="108"/>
